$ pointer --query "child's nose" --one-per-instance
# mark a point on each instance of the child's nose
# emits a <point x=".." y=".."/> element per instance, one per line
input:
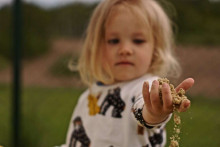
<point x="125" y="49"/>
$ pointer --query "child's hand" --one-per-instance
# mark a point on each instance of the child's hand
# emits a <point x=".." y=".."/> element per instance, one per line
<point x="156" y="110"/>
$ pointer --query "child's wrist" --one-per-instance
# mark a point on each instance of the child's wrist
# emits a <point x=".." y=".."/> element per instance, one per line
<point x="153" y="119"/>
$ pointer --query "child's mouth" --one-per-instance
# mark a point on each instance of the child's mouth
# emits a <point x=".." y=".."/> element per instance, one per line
<point x="124" y="63"/>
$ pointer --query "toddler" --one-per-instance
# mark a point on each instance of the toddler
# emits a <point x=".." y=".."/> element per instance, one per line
<point x="128" y="46"/>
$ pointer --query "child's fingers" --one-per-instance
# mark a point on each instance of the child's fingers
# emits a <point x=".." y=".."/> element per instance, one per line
<point x="154" y="96"/>
<point x="186" y="84"/>
<point x="167" y="98"/>
<point x="184" y="105"/>
<point x="146" y="94"/>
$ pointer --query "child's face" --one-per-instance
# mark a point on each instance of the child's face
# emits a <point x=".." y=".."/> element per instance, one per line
<point x="127" y="51"/>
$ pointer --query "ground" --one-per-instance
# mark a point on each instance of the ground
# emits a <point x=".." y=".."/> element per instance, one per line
<point x="199" y="62"/>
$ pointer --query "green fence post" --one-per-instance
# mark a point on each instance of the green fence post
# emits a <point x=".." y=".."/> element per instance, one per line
<point x="16" y="51"/>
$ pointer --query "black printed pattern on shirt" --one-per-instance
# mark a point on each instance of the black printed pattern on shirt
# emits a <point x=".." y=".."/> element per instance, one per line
<point x="157" y="138"/>
<point x="133" y="99"/>
<point x="113" y="99"/>
<point x="79" y="134"/>
<point x="138" y="115"/>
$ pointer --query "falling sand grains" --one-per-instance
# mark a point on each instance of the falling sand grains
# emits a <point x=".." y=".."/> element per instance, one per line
<point x="178" y="97"/>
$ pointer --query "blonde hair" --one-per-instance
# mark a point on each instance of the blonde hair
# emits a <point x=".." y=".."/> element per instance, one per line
<point x="153" y="16"/>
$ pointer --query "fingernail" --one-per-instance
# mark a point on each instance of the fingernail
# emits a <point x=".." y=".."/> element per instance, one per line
<point x="164" y="85"/>
<point x="155" y="81"/>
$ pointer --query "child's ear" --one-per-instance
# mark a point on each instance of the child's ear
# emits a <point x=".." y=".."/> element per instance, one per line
<point x="153" y="58"/>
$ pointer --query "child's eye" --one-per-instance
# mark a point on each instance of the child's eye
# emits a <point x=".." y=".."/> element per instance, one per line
<point x="138" y="41"/>
<point x="113" y="41"/>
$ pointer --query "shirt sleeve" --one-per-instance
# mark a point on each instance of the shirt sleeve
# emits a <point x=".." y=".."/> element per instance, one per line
<point x="137" y="111"/>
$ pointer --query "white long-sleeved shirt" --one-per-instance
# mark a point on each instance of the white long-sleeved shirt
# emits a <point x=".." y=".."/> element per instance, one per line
<point x="103" y="117"/>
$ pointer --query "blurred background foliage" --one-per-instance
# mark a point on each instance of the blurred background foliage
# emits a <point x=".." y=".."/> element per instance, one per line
<point x="40" y="25"/>
<point x="197" y="20"/>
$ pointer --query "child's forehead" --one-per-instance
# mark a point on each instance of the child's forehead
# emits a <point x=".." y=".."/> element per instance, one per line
<point x="139" y="19"/>
<point x="128" y="27"/>
<point x="119" y="8"/>
<point x="129" y="10"/>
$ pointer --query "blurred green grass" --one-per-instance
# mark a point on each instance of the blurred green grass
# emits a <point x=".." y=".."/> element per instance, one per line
<point x="5" y="111"/>
<point x="201" y="124"/>
<point x="46" y="113"/>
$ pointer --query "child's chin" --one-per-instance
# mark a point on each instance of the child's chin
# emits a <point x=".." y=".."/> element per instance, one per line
<point x="125" y="78"/>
